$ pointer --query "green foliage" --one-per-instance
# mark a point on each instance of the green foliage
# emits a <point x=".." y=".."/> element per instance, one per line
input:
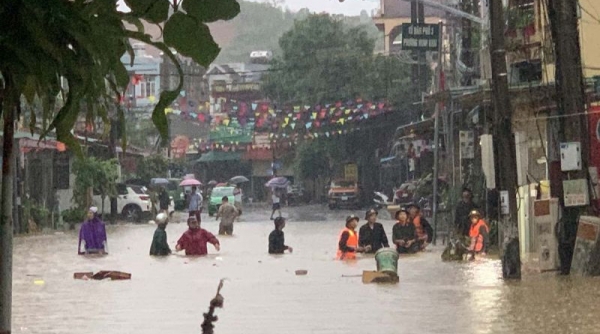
<point x="73" y="216"/>
<point x="39" y="214"/>
<point x="212" y="10"/>
<point x="152" y="167"/>
<point x="66" y="54"/>
<point x="95" y="174"/>
<point x="311" y="161"/>
<point x="141" y="133"/>
<point x="325" y="59"/>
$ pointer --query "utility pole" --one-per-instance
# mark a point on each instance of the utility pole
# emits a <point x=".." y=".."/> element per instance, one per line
<point x="504" y="139"/>
<point x="570" y="96"/>
<point x="112" y="147"/>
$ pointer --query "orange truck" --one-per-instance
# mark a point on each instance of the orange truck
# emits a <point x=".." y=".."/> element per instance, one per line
<point x="344" y="193"/>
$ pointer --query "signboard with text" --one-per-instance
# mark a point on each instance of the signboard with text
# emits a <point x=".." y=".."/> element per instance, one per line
<point x="420" y="37"/>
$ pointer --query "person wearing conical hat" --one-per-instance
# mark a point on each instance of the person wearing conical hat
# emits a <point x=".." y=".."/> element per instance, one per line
<point x="348" y="240"/>
<point x="479" y="234"/>
<point x="371" y="235"/>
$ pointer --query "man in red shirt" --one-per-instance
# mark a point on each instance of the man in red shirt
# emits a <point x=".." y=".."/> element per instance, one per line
<point x="194" y="240"/>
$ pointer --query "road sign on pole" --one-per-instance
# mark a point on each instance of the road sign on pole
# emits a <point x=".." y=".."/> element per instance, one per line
<point x="420" y="37"/>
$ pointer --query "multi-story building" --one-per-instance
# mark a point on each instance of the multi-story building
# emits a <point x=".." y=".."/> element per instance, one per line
<point x="236" y="81"/>
<point x="144" y="87"/>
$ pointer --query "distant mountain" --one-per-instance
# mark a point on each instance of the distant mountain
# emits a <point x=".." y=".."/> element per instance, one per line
<point x="258" y="28"/>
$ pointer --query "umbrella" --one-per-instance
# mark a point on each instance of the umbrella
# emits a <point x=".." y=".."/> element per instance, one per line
<point x="190" y="182"/>
<point x="213" y="183"/>
<point x="238" y="179"/>
<point x="278" y="182"/>
<point x="159" y="182"/>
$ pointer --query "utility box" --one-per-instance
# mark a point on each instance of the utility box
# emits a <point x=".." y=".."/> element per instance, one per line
<point x="545" y="216"/>
<point x="570" y="156"/>
<point x="586" y="257"/>
<point x="576" y="192"/>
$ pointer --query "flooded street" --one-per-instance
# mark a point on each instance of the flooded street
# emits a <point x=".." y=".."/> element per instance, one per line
<point x="263" y="295"/>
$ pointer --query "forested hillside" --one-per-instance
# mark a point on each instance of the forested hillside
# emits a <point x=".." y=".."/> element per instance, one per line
<point x="260" y="25"/>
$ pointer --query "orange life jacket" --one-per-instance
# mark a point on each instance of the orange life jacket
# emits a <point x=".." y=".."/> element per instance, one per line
<point x="474" y="233"/>
<point x="419" y="228"/>
<point x="352" y="242"/>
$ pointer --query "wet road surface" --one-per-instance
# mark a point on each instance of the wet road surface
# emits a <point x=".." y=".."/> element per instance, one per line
<point x="263" y="295"/>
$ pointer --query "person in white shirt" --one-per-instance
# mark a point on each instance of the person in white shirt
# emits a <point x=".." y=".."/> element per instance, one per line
<point x="276" y="203"/>
<point x="237" y="195"/>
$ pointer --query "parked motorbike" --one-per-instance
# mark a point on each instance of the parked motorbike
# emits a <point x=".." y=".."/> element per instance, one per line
<point x="381" y="200"/>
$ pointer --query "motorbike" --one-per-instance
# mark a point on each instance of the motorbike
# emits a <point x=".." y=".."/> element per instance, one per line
<point x="381" y="200"/>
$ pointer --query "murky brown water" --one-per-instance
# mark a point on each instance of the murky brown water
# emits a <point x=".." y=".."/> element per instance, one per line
<point x="263" y="295"/>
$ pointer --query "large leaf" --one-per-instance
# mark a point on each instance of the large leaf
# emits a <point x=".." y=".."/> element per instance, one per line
<point x="155" y="11"/>
<point x="178" y="31"/>
<point x="211" y="10"/>
<point x="159" y="118"/>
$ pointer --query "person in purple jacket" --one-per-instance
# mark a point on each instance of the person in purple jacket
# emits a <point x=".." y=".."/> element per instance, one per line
<point x="93" y="234"/>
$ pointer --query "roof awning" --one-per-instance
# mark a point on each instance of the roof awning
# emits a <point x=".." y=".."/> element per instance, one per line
<point x="213" y="156"/>
<point x="386" y="159"/>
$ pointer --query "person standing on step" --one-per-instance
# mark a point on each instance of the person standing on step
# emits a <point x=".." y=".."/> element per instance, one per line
<point x="276" y="203"/>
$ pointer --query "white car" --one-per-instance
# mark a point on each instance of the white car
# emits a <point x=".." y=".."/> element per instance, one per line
<point x="132" y="202"/>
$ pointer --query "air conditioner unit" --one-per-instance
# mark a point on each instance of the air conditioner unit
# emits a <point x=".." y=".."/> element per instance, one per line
<point x="545" y="216"/>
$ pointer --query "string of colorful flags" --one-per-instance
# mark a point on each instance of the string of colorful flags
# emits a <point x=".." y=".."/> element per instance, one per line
<point x="262" y="125"/>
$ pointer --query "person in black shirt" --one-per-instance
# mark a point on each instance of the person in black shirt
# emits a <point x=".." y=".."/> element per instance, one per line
<point x="371" y="235"/>
<point x="277" y="238"/>
<point x="461" y="216"/>
<point x="164" y="200"/>
<point x="404" y="234"/>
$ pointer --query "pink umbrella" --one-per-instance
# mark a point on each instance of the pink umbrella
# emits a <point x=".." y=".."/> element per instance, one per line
<point x="190" y="182"/>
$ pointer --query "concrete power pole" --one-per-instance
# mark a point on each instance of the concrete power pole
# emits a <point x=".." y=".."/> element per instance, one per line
<point x="504" y="139"/>
<point x="570" y="96"/>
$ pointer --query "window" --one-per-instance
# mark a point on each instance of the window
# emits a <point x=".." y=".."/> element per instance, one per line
<point x="138" y="190"/>
<point x="62" y="171"/>
<point x="525" y="72"/>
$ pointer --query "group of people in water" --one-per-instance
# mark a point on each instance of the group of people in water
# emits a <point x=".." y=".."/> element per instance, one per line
<point x="194" y="241"/>
<point x="410" y="234"/>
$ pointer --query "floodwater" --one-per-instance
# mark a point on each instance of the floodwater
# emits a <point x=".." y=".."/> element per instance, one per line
<point x="263" y="295"/>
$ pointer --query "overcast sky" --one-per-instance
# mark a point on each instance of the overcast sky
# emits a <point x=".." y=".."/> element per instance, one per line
<point x="347" y="7"/>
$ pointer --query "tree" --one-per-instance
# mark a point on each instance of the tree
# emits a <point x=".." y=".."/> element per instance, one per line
<point x="67" y="53"/>
<point x="326" y="59"/>
<point x="152" y="167"/>
<point x="92" y="174"/>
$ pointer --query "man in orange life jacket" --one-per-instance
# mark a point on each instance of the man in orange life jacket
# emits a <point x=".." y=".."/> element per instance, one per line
<point x="422" y="226"/>
<point x="479" y="234"/>
<point x="348" y="242"/>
